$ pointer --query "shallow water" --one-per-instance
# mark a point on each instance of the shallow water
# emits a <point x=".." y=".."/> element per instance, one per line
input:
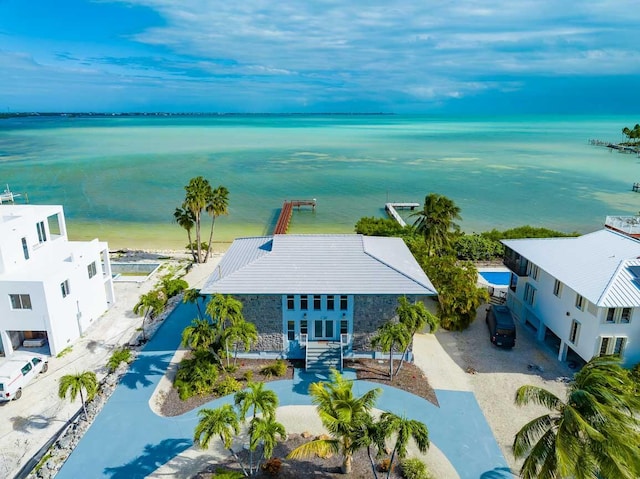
<point x="121" y="178"/>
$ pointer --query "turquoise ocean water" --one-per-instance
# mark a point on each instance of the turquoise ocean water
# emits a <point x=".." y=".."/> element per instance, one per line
<point x="121" y="178"/>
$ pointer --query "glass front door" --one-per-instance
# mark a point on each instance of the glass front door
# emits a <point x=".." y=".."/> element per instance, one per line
<point x="323" y="329"/>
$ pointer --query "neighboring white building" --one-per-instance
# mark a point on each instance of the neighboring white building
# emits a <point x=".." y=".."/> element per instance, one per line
<point x="51" y="288"/>
<point x="580" y="294"/>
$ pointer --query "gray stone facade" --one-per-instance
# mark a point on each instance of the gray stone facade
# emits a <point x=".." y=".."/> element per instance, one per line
<point x="369" y="313"/>
<point x="265" y="312"/>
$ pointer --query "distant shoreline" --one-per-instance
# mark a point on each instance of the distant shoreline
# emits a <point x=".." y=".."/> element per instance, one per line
<point x="179" y="114"/>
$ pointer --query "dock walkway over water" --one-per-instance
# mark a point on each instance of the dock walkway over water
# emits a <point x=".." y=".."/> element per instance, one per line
<point x="285" y="214"/>
<point x="392" y="208"/>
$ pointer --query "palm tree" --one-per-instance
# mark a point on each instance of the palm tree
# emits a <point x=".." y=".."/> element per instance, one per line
<point x="148" y="306"/>
<point x="217" y="205"/>
<point x="185" y="219"/>
<point x="198" y="192"/>
<point x="258" y="399"/>
<point x="241" y="332"/>
<point x="404" y="429"/>
<point x="223" y="422"/>
<point x="224" y="311"/>
<point x="264" y="431"/>
<point x="414" y="317"/>
<point x="595" y="433"/>
<point x="199" y="335"/>
<point x="193" y="296"/>
<point x="343" y="415"/>
<point x="435" y="221"/>
<point x="389" y="337"/>
<point x="74" y="384"/>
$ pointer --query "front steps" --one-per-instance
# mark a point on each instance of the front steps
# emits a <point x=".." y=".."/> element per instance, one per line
<point x="322" y="356"/>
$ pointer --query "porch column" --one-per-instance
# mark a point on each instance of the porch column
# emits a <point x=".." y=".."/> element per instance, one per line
<point x="562" y="353"/>
<point x="542" y="329"/>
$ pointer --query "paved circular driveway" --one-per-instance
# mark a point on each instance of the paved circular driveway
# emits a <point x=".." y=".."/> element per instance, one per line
<point x="128" y="440"/>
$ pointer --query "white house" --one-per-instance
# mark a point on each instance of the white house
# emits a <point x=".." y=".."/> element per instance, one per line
<point x="580" y="294"/>
<point x="51" y="288"/>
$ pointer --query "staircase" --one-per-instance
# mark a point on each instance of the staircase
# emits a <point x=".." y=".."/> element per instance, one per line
<point x="323" y="356"/>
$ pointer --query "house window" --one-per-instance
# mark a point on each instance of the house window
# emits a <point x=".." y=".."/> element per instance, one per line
<point x="42" y="234"/>
<point x="291" y="330"/>
<point x="625" y="316"/>
<point x="304" y="302"/>
<point x="575" y="331"/>
<point x="580" y="302"/>
<point x="291" y="303"/>
<point x="304" y="327"/>
<point x="344" y="303"/>
<point x="557" y="288"/>
<point x="618" y="315"/>
<point x="64" y="288"/>
<point x="91" y="269"/>
<point x="331" y="303"/>
<point x="25" y="248"/>
<point x="317" y="302"/>
<point x="20" y="301"/>
<point x="604" y="345"/>
<point x="529" y="294"/>
<point x="611" y="315"/>
<point x="618" y="347"/>
<point x="532" y="270"/>
<point x="513" y="283"/>
<point x="344" y="326"/>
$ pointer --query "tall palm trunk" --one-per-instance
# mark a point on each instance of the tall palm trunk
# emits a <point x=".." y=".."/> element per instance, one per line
<point x="199" y="245"/>
<point x="213" y="221"/>
<point x="391" y="363"/>
<point x="193" y="253"/>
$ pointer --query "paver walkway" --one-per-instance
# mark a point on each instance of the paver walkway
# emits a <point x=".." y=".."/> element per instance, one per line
<point x="128" y="441"/>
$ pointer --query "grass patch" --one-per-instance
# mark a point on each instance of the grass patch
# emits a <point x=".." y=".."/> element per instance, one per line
<point x="64" y="352"/>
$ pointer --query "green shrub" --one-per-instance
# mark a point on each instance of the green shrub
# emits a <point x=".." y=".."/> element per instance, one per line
<point x="231" y="368"/>
<point x="371" y="226"/>
<point x="278" y="369"/>
<point x="414" y="469"/>
<point x="525" y="232"/>
<point x="122" y="355"/>
<point x="635" y="375"/>
<point x="225" y="474"/>
<point x="65" y="351"/>
<point x="477" y="248"/>
<point x="196" y="376"/>
<point x="227" y="385"/>
<point x="248" y="375"/>
<point x="173" y="287"/>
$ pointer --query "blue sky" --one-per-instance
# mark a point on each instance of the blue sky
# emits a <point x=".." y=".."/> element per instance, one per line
<point x="408" y="56"/>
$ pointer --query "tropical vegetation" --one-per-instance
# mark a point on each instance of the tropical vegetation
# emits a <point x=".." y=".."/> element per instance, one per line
<point x="436" y="223"/>
<point x="593" y="433"/>
<point x="225" y="422"/>
<point x="343" y="415"/>
<point x="119" y="356"/>
<point x="82" y="383"/>
<point x="633" y="135"/>
<point x="201" y="197"/>
<point x="395" y="336"/>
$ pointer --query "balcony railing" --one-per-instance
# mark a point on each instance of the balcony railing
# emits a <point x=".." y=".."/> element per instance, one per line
<point x="625" y="224"/>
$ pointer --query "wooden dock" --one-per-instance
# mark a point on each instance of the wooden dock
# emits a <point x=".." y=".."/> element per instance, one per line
<point x="282" y="225"/>
<point x="391" y="209"/>
<point x="7" y="196"/>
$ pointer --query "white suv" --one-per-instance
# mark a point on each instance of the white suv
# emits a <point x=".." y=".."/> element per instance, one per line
<point x="17" y="370"/>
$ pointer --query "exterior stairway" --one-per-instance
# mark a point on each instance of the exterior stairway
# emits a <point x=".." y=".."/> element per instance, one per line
<point x="323" y="356"/>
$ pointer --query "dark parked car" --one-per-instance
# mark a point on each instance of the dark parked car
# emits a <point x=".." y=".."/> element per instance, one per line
<point x="502" y="329"/>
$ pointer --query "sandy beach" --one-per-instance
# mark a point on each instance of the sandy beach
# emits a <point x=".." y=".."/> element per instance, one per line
<point x="464" y="361"/>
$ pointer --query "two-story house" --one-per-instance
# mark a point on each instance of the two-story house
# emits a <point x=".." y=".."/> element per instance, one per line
<point x="300" y="290"/>
<point x="581" y="294"/>
<point x="51" y="288"/>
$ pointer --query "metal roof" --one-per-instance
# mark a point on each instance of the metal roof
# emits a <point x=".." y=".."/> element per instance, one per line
<point x="318" y="264"/>
<point x="595" y="265"/>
